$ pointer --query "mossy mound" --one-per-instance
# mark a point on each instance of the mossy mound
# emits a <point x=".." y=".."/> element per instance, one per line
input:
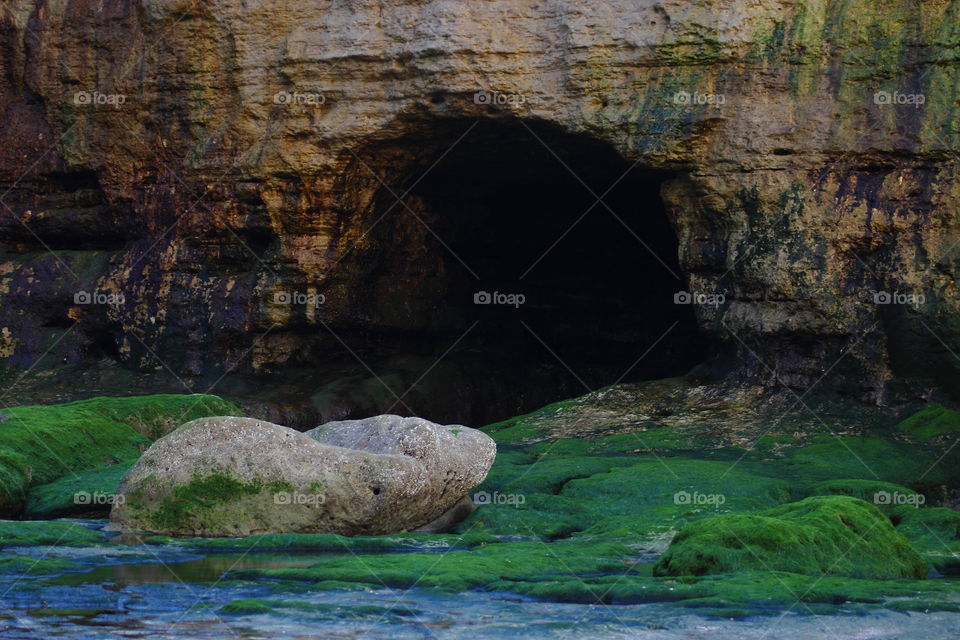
<point x="886" y="496"/>
<point x="934" y="531"/>
<point x="41" y="444"/>
<point x="828" y="457"/>
<point x="87" y="493"/>
<point x="26" y="566"/>
<point x="823" y="535"/>
<point x="931" y="422"/>
<point x="34" y="533"/>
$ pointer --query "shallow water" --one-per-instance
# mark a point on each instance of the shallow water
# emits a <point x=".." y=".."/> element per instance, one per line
<point x="169" y="593"/>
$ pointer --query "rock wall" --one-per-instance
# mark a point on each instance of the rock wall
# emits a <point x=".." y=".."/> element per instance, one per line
<point x="199" y="160"/>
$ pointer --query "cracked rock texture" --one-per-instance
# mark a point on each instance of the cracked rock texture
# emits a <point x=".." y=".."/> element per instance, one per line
<point x="198" y="158"/>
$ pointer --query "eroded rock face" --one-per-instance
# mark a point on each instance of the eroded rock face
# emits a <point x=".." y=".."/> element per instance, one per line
<point x="239" y="476"/>
<point x="259" y="147"/>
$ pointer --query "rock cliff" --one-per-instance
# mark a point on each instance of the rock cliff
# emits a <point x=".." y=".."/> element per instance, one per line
<point x="202" y="188"/>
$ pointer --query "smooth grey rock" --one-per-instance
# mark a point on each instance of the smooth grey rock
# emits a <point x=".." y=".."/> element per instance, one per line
<point x="228" y="476"/>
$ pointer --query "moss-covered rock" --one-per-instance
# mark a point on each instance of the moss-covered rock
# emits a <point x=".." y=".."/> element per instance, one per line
<point x="824" y="535"/>
<point x="41" y="444"/>
<point x="931" y="422"/>
<point x="935" y="532"/>
<point x="886" y="496"/>
<point x="87" y="493"/>
<point x="27" y="566"/>
<point x="33" y="533"/>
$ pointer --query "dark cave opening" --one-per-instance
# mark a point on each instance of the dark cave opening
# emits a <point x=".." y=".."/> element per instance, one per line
<point x="507" y="211"/>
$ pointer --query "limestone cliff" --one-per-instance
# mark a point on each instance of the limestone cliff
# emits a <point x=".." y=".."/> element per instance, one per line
<point x="255" y="181"/>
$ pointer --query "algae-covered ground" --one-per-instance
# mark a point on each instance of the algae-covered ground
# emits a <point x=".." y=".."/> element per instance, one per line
<point x="584" y="520"/>
<point x="659" y="510"/>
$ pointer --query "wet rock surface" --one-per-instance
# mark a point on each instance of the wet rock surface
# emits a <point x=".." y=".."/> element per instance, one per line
<point x="239" y="476"/>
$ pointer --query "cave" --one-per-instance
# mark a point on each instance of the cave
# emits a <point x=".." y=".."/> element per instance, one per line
<point x="537" y="264"/>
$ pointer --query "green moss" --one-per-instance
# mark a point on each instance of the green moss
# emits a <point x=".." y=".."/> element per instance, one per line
<point x="246" y="607"/>
<point x="196" y="501"/>
<point x="884" y="495"/>
<point x="823" y="535"/>
<point x="256" y="606"/>
<point x="933" y="421"/>
<point x="867" y="458"/>
<point x="635" y="442"/>
<point x="634" y="497"/>
<point x="25" y="565"/>
<point x="748" y="593"/>
<point x="935" y="532"/>
<point x="459" y="570"/>
<point x="331" y="542"/>
<point x="28" y="533"/>
<point x="40" y="444"/>
<point x="59" y="498"/>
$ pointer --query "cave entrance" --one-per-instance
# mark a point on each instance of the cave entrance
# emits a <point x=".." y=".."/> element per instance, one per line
<point x="535" y="262"/>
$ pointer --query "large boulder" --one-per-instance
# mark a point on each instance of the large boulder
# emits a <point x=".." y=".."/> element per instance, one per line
<point x="229" y="476"/>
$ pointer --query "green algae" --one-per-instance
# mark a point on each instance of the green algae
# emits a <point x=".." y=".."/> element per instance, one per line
<point x="196" y="503"/>
<point x="933" y="531"/>
<point x="636" y="497"/>
<point x="933" y="421"/>
<point x="27" y="566"/>
<point x="331" y="542"/>
<point x="822" y="535"/>
<point x="41" y="444"/>
<point x="744" y="593"/>
<point x="65" y="497"/>
<point x="884" y="495"/>
<point x="830" y="457"/>
<point x="258" y="606"/>
<point x="455" y="571"/>
<point x="42" y="532"/>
